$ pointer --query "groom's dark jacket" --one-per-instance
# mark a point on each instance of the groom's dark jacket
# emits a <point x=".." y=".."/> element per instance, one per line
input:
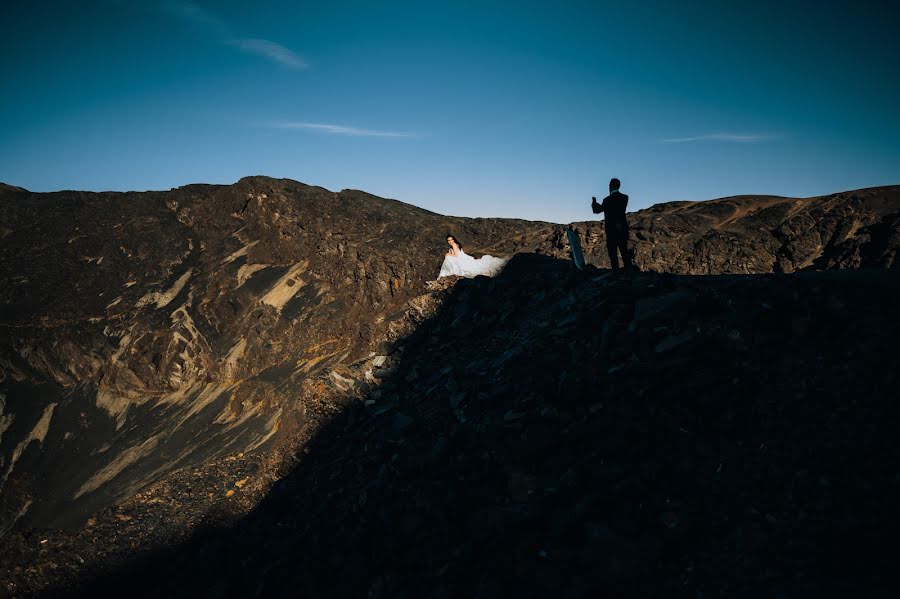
<point x="613" y="206"/>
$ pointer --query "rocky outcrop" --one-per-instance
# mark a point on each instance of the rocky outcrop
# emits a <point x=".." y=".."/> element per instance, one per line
<point x="143" y="333"/>
<point x="760" y="234"/>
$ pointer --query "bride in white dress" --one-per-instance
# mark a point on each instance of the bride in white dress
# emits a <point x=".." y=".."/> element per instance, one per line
<point x="459" y="263"/>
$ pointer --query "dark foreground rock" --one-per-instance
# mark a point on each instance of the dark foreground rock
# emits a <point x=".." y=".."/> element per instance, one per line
<point x="546" y="433"/>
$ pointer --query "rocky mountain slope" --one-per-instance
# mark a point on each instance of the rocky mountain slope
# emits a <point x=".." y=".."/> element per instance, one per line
<point x="550" y="433"/>
<point x="158" y="348"/>
<point x="762" y="234"/>
<point x="145" y="332"/>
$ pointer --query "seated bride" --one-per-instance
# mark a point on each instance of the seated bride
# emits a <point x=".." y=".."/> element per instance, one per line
<point x="458" y="263"/>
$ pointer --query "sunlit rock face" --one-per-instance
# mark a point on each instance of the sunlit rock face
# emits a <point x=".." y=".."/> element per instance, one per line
<point x="144" y="332"/>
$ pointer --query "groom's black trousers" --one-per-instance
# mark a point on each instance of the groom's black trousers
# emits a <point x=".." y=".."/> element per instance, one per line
<point x="617" y="241"/>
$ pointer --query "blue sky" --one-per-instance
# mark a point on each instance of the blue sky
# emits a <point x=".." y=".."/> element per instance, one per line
<point x="518" y="109"/>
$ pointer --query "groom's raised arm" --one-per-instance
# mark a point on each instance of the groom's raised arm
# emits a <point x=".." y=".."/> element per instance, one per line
<point x="598" y="208"/>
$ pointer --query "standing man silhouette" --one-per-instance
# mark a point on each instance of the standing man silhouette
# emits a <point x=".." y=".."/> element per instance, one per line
<point x="613" y="206"/>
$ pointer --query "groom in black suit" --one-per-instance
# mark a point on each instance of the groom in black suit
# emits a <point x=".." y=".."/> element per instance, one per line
<point x="614" y="206"/>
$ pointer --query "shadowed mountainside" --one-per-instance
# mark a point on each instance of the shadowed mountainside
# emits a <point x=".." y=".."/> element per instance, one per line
<point x="545" y="433"/>
<point x="166" y="338"/>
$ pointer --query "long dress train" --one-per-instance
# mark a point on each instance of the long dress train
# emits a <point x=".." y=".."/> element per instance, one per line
<point x="465" y="265"/>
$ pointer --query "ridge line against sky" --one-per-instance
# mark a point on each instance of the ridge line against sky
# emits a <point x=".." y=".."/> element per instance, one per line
<point x="476" y="110"/>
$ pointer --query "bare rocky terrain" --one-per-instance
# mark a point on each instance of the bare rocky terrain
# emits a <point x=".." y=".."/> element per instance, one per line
<point x="165" y="357"/>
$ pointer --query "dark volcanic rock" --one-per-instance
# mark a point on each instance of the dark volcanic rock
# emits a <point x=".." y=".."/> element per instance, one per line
<point x="153" y="345"/>
<point x="548" y="434"/>
<point x="143" y="332"/>
<point x="761" y="234"/>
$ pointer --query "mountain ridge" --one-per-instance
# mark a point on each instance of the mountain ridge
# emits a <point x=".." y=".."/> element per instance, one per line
<point x="147" y="336"/>
<point x="254" y="179"/>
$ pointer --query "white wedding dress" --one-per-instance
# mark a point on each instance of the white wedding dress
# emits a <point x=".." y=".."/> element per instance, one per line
<point x="465" y="265"/>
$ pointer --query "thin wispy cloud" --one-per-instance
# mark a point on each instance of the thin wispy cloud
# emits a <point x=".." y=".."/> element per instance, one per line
<point x="337" y="129"/>
<point x="738" y="138"/>
<point x="271" y="50"/>
<point x="198" y="15"/>
<point x="201" y="17"/>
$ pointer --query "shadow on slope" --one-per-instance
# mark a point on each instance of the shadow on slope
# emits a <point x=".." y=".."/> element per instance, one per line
<point x="550" y="432"/>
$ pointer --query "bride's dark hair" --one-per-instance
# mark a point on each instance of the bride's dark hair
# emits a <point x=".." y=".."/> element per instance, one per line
<point x="455" y="238"/>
